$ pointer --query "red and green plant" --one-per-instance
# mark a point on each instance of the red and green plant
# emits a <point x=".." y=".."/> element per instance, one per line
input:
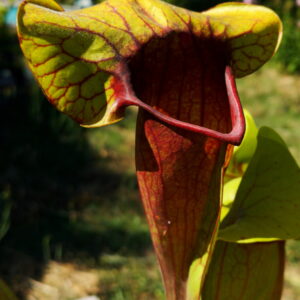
<point x="179" y="68"/>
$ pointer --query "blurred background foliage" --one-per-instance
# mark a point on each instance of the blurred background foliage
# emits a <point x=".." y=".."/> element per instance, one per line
<point x="69" y="203"/>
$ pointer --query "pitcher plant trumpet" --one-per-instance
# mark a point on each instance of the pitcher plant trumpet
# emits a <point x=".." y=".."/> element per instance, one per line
<point x="179" y="68"/>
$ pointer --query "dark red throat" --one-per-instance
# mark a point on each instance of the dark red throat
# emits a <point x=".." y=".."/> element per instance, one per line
<point x="186" y="82"/>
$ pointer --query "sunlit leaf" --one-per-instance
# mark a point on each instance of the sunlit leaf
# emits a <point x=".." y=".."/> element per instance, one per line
<point x="244" y="152"/>
<point x="239" y="271"/>
<point x="267" y="204"/>
<point x="229" y="193"/>
<point x="245" y="272"/>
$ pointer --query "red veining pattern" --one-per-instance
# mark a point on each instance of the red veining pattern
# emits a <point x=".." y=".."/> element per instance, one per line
<point x="102" y="27"/>
<point x="180" y="188"/>
<point x="245" y="272"/>
<point x="179" y="171"/>
<point x="56" y="72"/>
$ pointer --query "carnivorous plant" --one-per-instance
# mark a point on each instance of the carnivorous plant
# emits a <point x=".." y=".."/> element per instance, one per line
<point x="179" y="68"/>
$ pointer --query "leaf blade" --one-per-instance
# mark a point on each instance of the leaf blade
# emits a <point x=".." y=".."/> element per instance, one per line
<point x="267" y="202"/>
<point x="239" y="272"/>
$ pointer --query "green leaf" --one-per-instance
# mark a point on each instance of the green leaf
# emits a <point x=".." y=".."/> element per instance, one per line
<point x="242" y="154"/>
<point x="229" y="192"/>
<point x="267" y="204"/>
<point x="246" y="150"/>
<point x="245" y="272"/>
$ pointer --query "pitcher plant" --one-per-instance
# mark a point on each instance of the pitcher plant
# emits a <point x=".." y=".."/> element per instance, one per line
<point x="179" y="68"/>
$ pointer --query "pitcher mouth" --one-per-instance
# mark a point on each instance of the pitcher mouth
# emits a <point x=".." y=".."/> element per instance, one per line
<point x="236" y="134"/>
<point x="187" y="82"/>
